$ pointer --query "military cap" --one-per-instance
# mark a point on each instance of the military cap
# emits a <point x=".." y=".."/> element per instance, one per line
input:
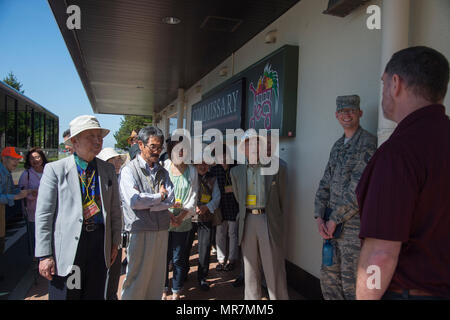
<point x="351" y="101"/>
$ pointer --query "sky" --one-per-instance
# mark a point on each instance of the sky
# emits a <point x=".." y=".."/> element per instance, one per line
<point x="33" y="48"/>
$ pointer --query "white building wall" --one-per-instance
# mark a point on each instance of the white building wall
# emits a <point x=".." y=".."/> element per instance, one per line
<point x="430" y="26"/>
<point x="337" y="56"/>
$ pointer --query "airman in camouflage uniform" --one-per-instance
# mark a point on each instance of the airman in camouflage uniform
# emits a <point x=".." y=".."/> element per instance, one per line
<point x="348" y="159"/>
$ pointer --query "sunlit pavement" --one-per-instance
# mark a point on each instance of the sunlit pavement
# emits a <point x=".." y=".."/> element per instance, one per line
<point x="221" y="287"/>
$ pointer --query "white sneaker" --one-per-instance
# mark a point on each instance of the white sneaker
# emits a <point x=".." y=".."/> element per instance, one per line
<point x="175" y="296"/>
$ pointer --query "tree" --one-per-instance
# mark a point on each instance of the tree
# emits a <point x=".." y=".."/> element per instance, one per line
<point x="12" y="81"/>
<point x="128" y="124"/>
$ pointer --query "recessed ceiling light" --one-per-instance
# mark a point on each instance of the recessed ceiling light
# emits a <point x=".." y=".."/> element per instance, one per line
<point x="171" y="20"/>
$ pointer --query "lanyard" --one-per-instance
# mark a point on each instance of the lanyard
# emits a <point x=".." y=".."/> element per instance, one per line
<point x="151" y="182"/>
<point x="204" y="186"/>
<point x="88" y="196"/>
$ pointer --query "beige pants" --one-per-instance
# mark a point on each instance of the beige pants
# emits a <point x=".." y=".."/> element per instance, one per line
<point x="259" y="251"/>
<point x="146" y="269"/>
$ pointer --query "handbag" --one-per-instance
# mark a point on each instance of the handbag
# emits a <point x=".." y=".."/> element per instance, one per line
<point x="217" y="217"/>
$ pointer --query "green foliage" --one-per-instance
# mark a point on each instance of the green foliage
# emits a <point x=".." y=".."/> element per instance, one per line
<point x="128" y="124"/>
<point x="12" y="81"/>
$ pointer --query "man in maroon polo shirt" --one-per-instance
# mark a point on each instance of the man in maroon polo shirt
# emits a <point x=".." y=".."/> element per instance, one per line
<point x="404" y="192"/>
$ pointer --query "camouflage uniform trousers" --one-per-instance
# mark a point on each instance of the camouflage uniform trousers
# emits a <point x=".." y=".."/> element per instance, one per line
<point x="338" y="281"/>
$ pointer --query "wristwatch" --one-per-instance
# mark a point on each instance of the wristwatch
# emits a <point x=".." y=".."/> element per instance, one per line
<point x="45" y="257"/>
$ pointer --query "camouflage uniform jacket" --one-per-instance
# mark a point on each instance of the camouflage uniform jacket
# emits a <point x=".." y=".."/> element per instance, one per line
<point x="342" y="173"/>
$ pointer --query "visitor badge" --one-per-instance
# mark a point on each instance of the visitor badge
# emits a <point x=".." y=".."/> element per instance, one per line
<point x="251" y="200"/>
<point x="228" y="189"/>
<point x="90" y="209"/>
<point x="205" y="198"/>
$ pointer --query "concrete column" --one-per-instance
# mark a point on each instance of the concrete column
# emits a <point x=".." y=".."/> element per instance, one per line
<point x="180" y="108"/>
<point x="154" y="115"/>
<point x="165" y="124"/>
<point x="188" y="118"/>
<point x="394" y="37"/>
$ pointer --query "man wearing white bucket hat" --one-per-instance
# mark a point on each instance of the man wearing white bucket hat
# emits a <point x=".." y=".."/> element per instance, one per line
<point x="261" y="201"/>
<point x="78" y="217"/>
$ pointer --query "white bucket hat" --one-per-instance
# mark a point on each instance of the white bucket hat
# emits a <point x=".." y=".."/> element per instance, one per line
<point x="108" y="153"/>
<point x="83" y="123"/>
<point x="249" y="134"/>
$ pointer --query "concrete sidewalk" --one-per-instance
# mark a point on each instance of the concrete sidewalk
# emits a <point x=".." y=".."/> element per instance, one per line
<point x="220" y="284"/>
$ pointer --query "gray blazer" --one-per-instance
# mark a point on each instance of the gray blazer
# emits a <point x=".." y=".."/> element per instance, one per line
<point x="275" y="186"/>
<point x="59" y="213"/>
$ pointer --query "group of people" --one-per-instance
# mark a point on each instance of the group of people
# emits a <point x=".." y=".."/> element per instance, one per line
<point x="167" y="202"/>
<point x="26" y="191"/>
<point x="88" y="209"/>
<point x="386" y="207"/>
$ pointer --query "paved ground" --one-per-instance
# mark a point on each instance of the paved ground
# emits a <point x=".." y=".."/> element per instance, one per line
<point x="220" y="284"/>
<point x="16" y="261"/>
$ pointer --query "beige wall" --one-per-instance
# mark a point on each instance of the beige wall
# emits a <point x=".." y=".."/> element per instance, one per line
<point x="337" y="56"/>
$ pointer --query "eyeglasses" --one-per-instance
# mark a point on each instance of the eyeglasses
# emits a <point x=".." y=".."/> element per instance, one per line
<point x="154" y="147"/>
<point x="347" y="111"/>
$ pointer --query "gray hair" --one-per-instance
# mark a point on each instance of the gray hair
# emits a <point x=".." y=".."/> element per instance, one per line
<point x="147" y="132"/>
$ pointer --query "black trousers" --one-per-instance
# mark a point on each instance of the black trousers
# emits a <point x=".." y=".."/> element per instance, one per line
<point x="90" y="259"/>
<point x="204" y="233"/>
<point x="112" y="281"/>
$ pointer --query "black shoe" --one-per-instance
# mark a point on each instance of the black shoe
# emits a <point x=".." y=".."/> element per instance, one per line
<point x="229" y="266"/>
<point x="220" y="267"/>
<point x="239" y="282"/>
<point x="204" y="285"/>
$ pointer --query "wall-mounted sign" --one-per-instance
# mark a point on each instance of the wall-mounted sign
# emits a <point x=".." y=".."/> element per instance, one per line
<point x="221" y="110"/>
<point x="272" y="92"/>
<point x="269" y="97"/>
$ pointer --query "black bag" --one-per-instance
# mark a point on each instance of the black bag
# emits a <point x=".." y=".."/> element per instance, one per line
<point x="339" y="227"/>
